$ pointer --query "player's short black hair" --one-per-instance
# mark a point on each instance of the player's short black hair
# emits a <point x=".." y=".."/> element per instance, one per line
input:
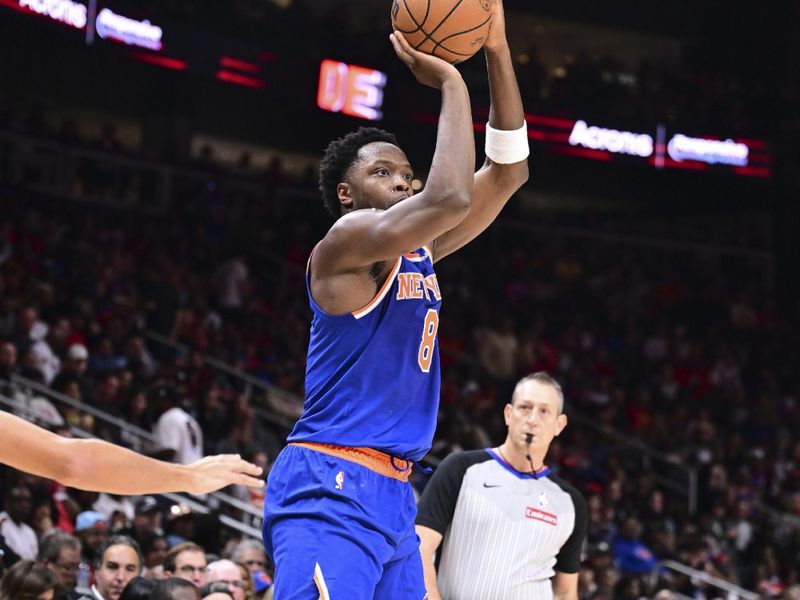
<point x="339" y="157"/>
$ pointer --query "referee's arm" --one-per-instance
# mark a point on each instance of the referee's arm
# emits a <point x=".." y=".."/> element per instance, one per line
<point x="568" y="561"/>
<point x="435" y="511"/>
<point x="429" y="541"/>
<point x="565" y="586"/>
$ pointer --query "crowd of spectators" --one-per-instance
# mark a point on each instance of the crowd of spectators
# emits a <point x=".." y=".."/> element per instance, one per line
<point x="682" y="350"/>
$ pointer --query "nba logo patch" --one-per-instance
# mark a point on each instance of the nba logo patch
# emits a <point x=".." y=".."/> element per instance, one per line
<point x="543" y="499"/>
<point x="340" y="480"/>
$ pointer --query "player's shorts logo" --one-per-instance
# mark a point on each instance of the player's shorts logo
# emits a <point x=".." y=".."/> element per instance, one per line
<point x="340" y="480"/>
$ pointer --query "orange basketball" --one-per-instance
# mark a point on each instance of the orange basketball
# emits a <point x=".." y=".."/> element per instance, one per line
<point x="450" y="29"/>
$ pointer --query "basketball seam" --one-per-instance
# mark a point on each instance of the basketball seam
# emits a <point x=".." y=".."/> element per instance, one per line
<point x="447" y="16"/>
<point x="411" y="16"/>
<point x="440" y="44"/>
<point x="429" y="36"/>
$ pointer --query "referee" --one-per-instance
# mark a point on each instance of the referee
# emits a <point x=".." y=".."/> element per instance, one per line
<point x="512" y="530"/>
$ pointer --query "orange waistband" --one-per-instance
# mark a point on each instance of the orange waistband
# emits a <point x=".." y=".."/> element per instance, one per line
<point x="381" y="463"/>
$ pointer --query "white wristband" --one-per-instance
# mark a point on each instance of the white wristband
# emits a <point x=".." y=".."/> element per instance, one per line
<point x="506" y="147"/>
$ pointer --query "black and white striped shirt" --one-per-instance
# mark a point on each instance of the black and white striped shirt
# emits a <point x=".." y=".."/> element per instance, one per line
<point x="506" y="533"/>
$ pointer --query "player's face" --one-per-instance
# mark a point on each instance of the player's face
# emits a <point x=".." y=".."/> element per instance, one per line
<point x="535" y="411"/>
<point x="380" y="178"/>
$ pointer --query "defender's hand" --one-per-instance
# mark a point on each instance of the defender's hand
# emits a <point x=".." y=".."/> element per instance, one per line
<point x="215" y="472"/>
<point x="429" y="70"/>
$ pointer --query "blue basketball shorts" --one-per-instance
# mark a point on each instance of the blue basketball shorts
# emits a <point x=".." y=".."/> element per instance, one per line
<point x="341" y="528"/>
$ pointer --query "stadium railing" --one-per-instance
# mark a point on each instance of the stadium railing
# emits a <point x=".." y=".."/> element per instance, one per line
<point x="112" y="179"/>
<point x="273" y="403"/>
<point x="21" y="403"/>
<point x="729" y="590"/>
<point x="664" y="469"/>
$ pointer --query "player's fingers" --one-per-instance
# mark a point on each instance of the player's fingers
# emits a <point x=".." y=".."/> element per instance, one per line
<point x="234" y="463"/>
<point x="240" y="479"/>
<point x="407" y="47"/>
<point x="247" y="467"/>
<point x="400" y="48"/>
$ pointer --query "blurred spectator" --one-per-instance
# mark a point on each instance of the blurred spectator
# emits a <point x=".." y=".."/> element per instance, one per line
<point x="176" y="429"/>
<point x="140" y="588"/>
<point x="139" y="360"/>
<point x="8" y="364"/>
<point x="154" y="550"/>
<point x="91" y="527"/>
<point x="252" y="555"/>
<point x="227" y="572"/>
<point x="248" y="585"/>
<point x="176" y="589"/>
<point x="120" y="560"/>
<point x="630" y="553"/>
<point x="216" y="591"/>
<point x="73" y="369"/>
<point x="231" y="284"/>
<point x="31" y="338"/>
<point x="27" y="580"/>
<point x="180" y="524"/>
<point x="188" y="561"/>
<point x="61" y="554"/>
<point x="146" y="520"/>
<point x="19" y="536"/>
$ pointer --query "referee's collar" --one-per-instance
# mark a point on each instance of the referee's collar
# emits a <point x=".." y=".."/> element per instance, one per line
<point x="543" y="472"/>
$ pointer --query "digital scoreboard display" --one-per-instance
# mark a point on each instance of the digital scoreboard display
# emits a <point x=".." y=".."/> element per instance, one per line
<point x="358" y="91"/>
<point x="658" y="147"/>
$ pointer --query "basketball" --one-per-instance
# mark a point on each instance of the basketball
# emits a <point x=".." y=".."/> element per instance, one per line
<point x="453" y="30"/>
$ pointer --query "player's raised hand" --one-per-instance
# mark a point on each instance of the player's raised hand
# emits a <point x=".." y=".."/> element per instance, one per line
<point x="497" y="31"/>
<point x="429" y="70"/>
<point x="212" y="473"/>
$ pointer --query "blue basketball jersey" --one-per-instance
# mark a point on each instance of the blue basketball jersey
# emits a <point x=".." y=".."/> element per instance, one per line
<point x="372" y="376"/>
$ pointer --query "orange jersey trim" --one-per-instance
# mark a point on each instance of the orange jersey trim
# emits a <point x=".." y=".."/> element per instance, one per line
<point x="374" y="460"/>
<point x="366" y="309"/>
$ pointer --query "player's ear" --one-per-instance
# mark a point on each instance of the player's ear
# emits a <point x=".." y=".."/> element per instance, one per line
<point x="507" y="413"/>
<point x="345" y="196"/>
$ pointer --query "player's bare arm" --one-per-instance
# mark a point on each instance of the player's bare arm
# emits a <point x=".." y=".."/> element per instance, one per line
<point x="565" y="586"/>
<point x="429" y="541"/>
<point x="98" y="466"/>
<point x="494" y="183"/>
<point x="343" y="276"/>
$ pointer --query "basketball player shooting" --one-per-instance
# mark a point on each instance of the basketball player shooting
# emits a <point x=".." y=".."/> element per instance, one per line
<point x="339" y="511"/>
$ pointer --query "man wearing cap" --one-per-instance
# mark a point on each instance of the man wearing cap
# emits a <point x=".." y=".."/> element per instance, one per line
<point x="180" y="524"/>
<point x="146" y="520"/>
<point x="91" y="527"/>
<point x="74" y="369"/>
